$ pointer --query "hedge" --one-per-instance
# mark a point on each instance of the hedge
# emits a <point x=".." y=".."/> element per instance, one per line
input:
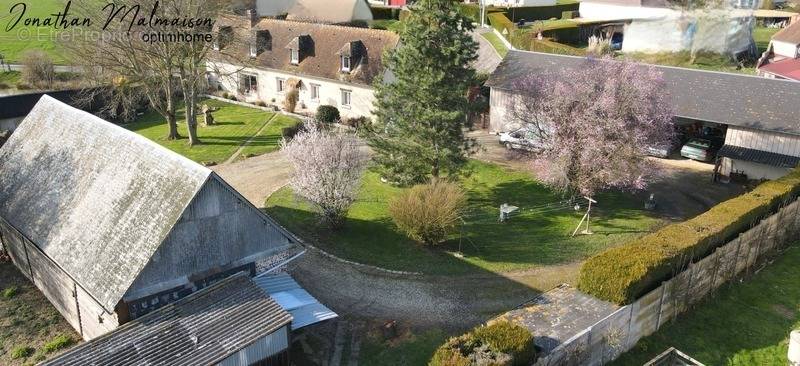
<point x="508" y="343"/>
<point x="531" y="13"/>
<point x="625" y="273"/>
<point x="385" y="12"/>
<point x="500" y="22"/>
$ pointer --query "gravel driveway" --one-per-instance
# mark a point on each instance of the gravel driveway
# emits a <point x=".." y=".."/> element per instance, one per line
<point x="258" y="177"/>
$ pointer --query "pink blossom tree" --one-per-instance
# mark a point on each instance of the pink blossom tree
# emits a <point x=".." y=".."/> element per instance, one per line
<point x="327" y="170"/>
<point x="594" y="124"/>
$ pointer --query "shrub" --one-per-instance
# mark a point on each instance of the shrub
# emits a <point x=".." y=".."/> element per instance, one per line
<point x="261" y="103"/>
<point x="625" y="273"/>
<point x="599" y="46"/>
<point x="233" y="98"/>
<point x="327" y="114"/>
<point x="21" y="352"/>
<point x="385" y="12"/>
<point x="427" y="213"/>
<point x="4" y="86"/>
<point x="500" y="22"/>
<point x="499" y="343"/>
<point x="10" y="292"/>
<point x="58" y="343"/>
<point x="38" y="69"/>
<point x="290" y="100"/>
<point x="357" y="122"/>
<point x="506" y="337"/>
<point x="225" y="95"/>
<point x="289" y="132"/>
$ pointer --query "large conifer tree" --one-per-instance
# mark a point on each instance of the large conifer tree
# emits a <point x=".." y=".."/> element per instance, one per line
<point x="421" y="108"/>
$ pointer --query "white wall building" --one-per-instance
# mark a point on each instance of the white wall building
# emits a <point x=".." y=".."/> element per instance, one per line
<point x="326" y="64"/>
<point x="343" y="11"/>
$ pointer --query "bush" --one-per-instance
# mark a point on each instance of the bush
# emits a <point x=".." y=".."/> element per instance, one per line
<point x="625" y="273"/>
<point x="500" y="22"/>
<point x="289" y="132"/>
<point x="58" y="343"/>
<point x="290" y="100"/>
<point x="4" y="86"/>
<point x="10" y="292"/>
<point x="225" y="95"/>
<point x="427" y="213"/>
<point x="328" y="114"/>
<point x="599" y="46"/>
<point x="385" y="12"/>
<point x="261" y="103"/>
<point x="499" y="343"/>
<point x="21" y="352"/>
<point x="38" y="69"/>
<point x="357" y="122"/>
<point x="533" y="13"/>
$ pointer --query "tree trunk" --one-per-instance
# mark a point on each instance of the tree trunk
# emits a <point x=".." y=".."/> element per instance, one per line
<point x="173" y="127"/>
<point x="191" y="120"/>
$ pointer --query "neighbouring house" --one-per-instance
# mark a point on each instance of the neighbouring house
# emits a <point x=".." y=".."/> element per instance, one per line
<point x="327" y="64"/>
<point x="322" y="11"/>
<point x="782" y="58"/>
<point x="111" y="226"/>
<point x="755" y="119"/>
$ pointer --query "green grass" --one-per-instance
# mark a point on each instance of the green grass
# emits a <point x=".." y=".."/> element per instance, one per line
<point x="9" y="78"/>
<point x="13" y="44"/>
<point x="234" y="126"/>
<point x="412" y="349"/>
<point x="528" y="240"/>
<point x="270" y="137"/>
<point x="743" y="324"/>
<point x="762" y="36"/>
<point x="496" y="42"/>
<point x="703" y="61"/>
<point x="546" y="25"/>
<point x="387" y="24"/>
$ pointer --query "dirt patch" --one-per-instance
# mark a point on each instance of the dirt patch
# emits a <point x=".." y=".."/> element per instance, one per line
<point x="27" y="319"/>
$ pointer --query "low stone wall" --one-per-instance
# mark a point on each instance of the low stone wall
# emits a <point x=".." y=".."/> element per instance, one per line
<point x="618" y="332"/>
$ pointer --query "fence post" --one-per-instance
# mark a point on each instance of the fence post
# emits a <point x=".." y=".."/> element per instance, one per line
<point x="736" y="257"/>
<point x="689" y="288"/>
<point x="661" y="304"/>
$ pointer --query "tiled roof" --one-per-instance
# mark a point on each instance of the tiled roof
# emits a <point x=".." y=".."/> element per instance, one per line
<point x="788" y="68"/>
<point x="202" y="329"/>
<point x="96" y="198"/>
<point x="734" y="99"/>
<point x="790" y="34"/>
<point x="759" y="156"/>
<point x="320" y="58"/>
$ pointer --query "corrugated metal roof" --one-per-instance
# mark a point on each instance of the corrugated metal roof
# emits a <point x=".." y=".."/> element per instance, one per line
<point x="94" y="197"/>
<point x="759" y="156"/>
<point x="202" y="329"/>
<point x="734" y="99"/>
<point x="305" y="309"/>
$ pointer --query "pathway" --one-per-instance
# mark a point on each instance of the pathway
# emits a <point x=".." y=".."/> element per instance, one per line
<point x="488" y="59"/>
<point x="258" y="177"/>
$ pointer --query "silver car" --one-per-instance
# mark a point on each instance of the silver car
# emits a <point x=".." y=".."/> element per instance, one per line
<point x="522" y="139"/>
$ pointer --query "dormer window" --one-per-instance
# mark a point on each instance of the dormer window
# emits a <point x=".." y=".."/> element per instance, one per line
<point x="345" y="63"/>
<point x="295" y="56"/>
<point x="299" y="48"/>
<point x="262" y="41"/>
<point x="224" y="37"/>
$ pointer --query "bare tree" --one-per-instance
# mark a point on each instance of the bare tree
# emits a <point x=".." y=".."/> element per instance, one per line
<point x="327" y="170"/>
<point x="38" y="69"/>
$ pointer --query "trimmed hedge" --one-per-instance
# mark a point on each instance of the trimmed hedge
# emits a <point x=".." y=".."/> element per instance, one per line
<point x="385" y="12"/>
<point x="327" y="114"/>
<point x="503" y="342"/>
<point x="625" y="273"/>
<point x="531" y="13"/>
<point x="500" y="22"/>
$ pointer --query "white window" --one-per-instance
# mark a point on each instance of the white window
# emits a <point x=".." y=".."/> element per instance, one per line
<point x="280" y="85"/>
<point x="346" y="63"/>
<point x="346" y="94"/>
<point x="248" y="84"/>
<point x="295" y="56"/>
<point x="314" y="88"/>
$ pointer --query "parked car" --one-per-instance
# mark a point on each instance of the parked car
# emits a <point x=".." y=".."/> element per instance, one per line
<point x="666" y="150"/>
<point x="616" y="42"/>
<point x="698" y="149"/>
<point x="522" y="139"/>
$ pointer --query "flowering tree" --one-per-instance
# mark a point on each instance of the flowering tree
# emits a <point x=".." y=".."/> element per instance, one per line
<point x="327" y="169"/>
<point x="593" y="124"/>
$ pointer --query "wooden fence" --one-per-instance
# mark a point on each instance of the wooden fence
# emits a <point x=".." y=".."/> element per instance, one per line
<point x="610" y="337"/>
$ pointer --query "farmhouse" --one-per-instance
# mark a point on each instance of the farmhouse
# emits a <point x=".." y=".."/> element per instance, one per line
<point x="326" y="64"/>
<point x="782" y="58"/>
<point x="756" y="120"/>
<point x="111" y="226"/>
<point x="319" y="11"/>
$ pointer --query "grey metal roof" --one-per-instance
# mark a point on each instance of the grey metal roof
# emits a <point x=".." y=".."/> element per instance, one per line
<point x="94" y="197"/>
<point x="759" y="156"/>
<point x="727" y="98"/>
<point x="202" y="329"/>
<point x="305" y="309"/>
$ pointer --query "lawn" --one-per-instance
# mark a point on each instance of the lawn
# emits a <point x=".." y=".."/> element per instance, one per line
<point x="20" y="39"/>
<point x="270" y="137"/>
<point x="234" y="126"/>
<point x="496" y="42"/>
<point x="762" y="36"/>
<point x="387" y="24"/>
<point x="407" y="349"/>
<point x="743" y="324"/>
<point x="530" y="239"/>
<point x="703" y="61"/>
<point x="28" y="322"/>
<point x="9" y="79"/>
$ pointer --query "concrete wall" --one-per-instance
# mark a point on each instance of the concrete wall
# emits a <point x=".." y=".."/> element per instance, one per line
<point x="362" y="97"/>
<point x="501" y="107"/>
<point x="779" y="143"/>
<point x="604" y="341"/>
<point x="219" y="231"/>
<point x="621" y="11"/>
<point x="80" y="310"/>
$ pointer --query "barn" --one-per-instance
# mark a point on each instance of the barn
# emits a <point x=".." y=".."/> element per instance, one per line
<point x="111" y="226"/>
<point x="753" y="121"/>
